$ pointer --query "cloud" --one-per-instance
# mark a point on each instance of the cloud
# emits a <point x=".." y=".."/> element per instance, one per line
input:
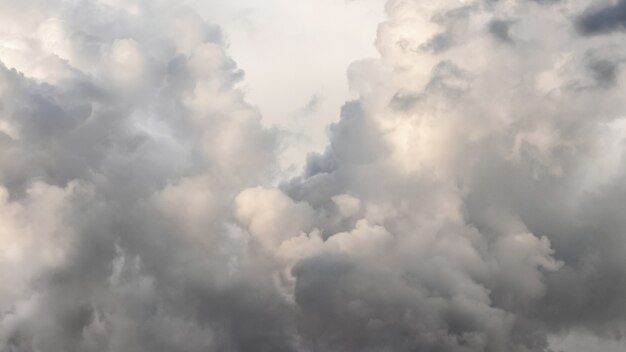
<point x="124" y="143"/>
<point x="598" y="20"/>
<point x="477" y="173"/>
<point x="470" y="198"/>
<point x="500" y="30"/>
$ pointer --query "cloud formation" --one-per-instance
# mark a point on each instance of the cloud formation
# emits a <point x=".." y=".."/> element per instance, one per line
<point x="470" y="199"/>
<point x="124" y="142"/>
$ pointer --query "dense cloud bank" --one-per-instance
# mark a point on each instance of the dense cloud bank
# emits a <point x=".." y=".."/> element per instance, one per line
<point x="471" y="199"/>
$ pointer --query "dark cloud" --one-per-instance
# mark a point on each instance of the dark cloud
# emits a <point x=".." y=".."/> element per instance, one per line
<point x="500" y="30"/>
<point x="604" y="19"/>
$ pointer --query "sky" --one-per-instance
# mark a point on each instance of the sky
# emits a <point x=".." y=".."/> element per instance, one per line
<point x="304" y="176"/>
<point x="295" y="55"/>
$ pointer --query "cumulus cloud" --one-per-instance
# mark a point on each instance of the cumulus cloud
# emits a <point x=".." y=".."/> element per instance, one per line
<point x="124" y="143"/>
<point x="478" y="159"/>
<point x="470" y="199"/>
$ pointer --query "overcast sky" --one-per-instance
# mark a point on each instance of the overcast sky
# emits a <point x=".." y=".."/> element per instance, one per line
<point x="312" y="175"/>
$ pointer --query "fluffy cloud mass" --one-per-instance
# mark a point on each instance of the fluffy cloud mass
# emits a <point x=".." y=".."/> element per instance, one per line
<point x="472" y="197"/>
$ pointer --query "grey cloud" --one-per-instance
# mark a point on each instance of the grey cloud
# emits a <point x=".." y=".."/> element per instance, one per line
<point x="470" y="199"/>
<point x="604" y="71"/>
<point x="447" y="80"/>
<point x="500" y="30"/>
<point x="510" y="177"/>
<point x="455" y="23"/>
<point x="99" y="156"/>
<point x="603" y="20"/>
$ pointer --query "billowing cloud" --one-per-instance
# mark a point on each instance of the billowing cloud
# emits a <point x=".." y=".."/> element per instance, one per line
<point x="482" y="163"/>
<point x="124" y="144"/>
<point x="470" y="199"/>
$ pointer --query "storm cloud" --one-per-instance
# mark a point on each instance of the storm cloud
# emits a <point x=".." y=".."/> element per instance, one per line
<point x="471" y="196"/>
